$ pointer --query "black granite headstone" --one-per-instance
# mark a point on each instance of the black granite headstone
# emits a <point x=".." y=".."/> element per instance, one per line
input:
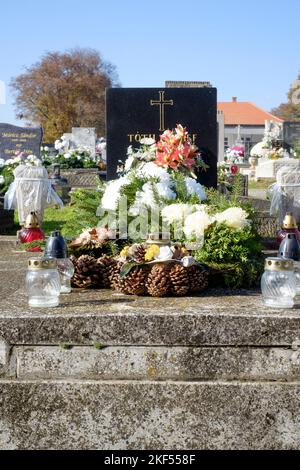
<point x="14" y="139"/>
<point x="134" y="113"/>
<point x="291" y="133"/>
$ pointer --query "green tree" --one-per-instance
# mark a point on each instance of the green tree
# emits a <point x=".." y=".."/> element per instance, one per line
<point x="290" y="111"/>
<point x="65" y="90"/>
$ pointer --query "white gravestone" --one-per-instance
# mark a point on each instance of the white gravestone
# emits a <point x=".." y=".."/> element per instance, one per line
<point x="84" y="137"/>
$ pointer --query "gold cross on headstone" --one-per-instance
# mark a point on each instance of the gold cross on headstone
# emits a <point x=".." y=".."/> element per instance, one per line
<point x="161" y="103"/>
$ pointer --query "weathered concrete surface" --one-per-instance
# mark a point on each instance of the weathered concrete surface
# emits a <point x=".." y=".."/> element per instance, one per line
<point x="177" y="373"/>
<point x="141" y="415"/>
<point x="157" y="363"/>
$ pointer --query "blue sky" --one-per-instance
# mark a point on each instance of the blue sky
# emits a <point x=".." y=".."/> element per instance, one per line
<point x="248" y="49"/>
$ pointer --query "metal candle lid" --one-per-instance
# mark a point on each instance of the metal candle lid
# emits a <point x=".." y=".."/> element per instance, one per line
<point x="289" y="221"/>
<point x="289" y="248"/>
<point x="35" y="264"/>
<point x="32" y="221"/>
<point x="56" y="246"/>
<point x="159" y="238"/>
<point x="279" y="264"/>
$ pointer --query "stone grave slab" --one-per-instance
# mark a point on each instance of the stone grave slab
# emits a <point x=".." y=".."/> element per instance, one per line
<point x="19" y="139"/>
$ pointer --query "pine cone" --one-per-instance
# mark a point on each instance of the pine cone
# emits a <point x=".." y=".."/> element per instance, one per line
<point x="107" y="264"/>
<point x="137" y="252"/>
<point x="158" y="283"/>
<point x="135" y="281"/>
<point x="116" y="281"/>
<point x="88" y="273"/>
<point x="198" y="278"/>
<point x="179" y="279"/>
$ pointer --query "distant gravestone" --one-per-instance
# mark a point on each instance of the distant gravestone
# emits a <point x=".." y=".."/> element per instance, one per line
<point x="14" y="139"/>
<point x="84" y="137"/>
<point x="134" y="113"/>
<point x="291" y="133"/>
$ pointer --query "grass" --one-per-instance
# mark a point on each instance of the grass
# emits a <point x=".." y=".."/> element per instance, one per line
<point x="263" y="184"/>
<point x="54" y="219"/>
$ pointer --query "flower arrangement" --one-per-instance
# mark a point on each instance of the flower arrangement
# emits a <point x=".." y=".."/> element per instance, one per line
<point x="155" y="175"/>
<point x="235" y="154"/>
<point x="79" y="157"/>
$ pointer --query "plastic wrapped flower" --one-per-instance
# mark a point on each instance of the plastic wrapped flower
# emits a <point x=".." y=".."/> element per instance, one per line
<point x="234" y="217"/>
<point x="195" y="188"/>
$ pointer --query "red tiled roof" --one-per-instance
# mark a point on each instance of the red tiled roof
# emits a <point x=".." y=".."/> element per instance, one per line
<point x="245" y="113"/>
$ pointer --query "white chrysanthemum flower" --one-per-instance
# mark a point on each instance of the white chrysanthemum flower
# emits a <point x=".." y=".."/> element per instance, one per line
<point x="234" y="217"/>
<point x="10" y="161"/>
<point x="193" y="187"/>
<point x="67" y="155"/>
<point x="144" y="199"/>
<point x="147" y="141"/>
<point x="152" y="170"/>
<point x="2" y="179"/>
<point x="112" y="193"/>
<point x="178" y="212"/>
<point x="2" y="162"/>
<point x="196" y="224"/>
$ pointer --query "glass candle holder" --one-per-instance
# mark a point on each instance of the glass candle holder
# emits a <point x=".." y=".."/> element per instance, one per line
<point x="278" y="283"/>
<point x="42" y="282"/>
<point x="66" y="270"/>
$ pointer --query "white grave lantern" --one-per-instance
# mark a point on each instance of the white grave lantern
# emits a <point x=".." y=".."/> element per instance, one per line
<point x="31" y="191"/>
<point x="285" y="193"/>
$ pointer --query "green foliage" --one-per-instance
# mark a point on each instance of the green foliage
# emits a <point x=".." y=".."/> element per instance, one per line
<point x="35" y="244"/>
<point x="218" y="202"/>
<point x="7" y="173"/>
<point x="236" y="275"/>
<point x="84" y="204"/>
<point x="223" y="244"/>
<point x="234" y="256"/>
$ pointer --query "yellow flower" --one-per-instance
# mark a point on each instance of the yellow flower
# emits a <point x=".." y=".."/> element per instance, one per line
<point x="151" y="252"/>
<point x="124" y="252"/>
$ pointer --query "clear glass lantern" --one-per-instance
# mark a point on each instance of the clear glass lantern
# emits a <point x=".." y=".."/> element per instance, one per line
<point x="278" y="283"/>
<point x="42" y="282"/>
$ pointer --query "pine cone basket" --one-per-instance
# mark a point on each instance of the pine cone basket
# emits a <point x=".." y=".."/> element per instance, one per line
<point x="135" y="281"/>
<point x="158" y="282"/>
<point x="198" y="278"/>
<point x="88" y="272"/>
<point x="179" y="280"/>
<point x="108" y="264"/>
